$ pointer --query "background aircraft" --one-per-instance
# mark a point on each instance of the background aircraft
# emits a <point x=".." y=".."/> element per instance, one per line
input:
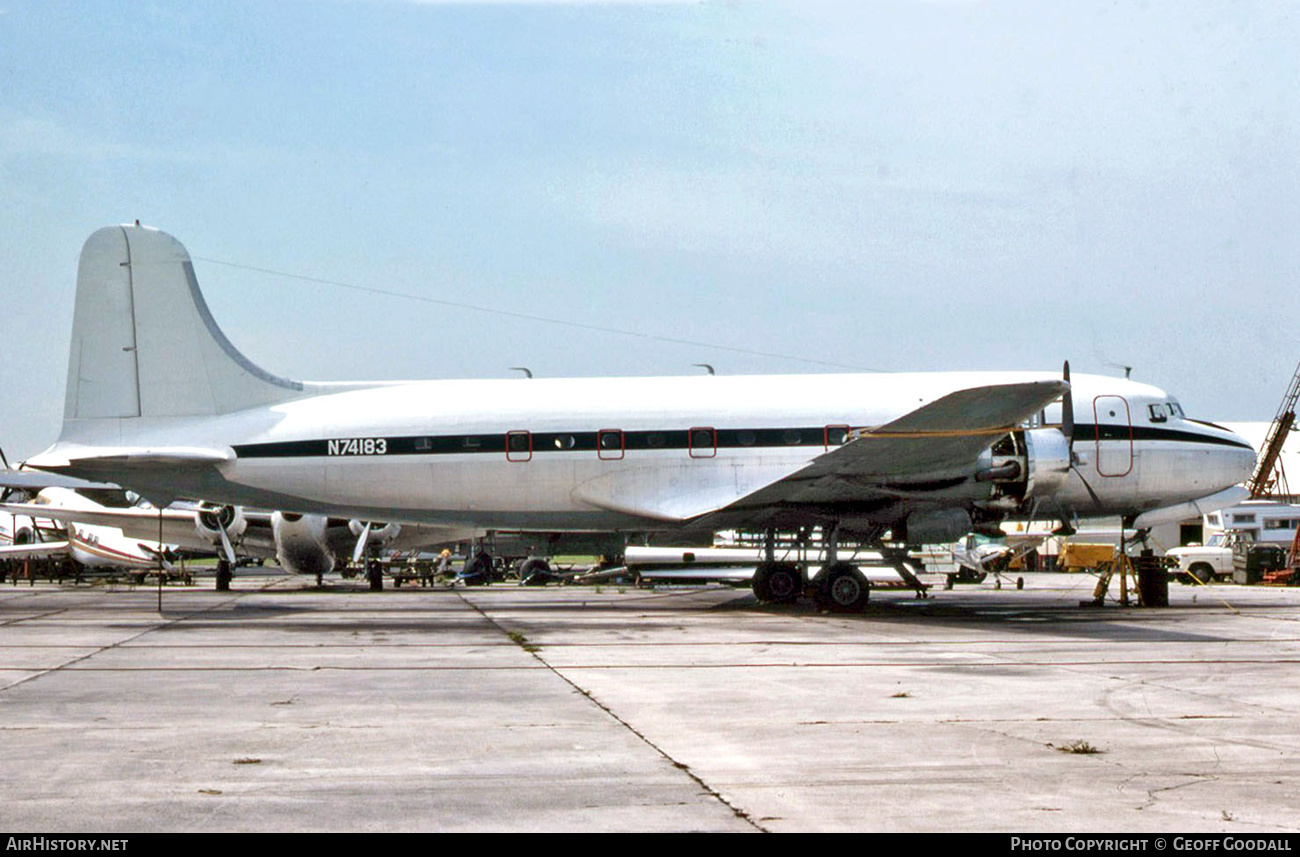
<point x="99" y="524"/>
<point x="54" y="525"/>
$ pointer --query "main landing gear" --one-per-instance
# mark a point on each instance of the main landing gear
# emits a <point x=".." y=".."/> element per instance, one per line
<point x="777" y="582"/>
<point x="224" y="575"/>
<point x="838" y="586"/>
<point x="841" y="588"/>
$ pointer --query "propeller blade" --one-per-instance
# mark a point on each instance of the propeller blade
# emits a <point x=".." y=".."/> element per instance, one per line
<point x="1091" y="493"/>
<point x="161" y="555"/>
<point x="360" y="549"/>
<point x="1067" y="410"/>
<point x="226" y="546"/>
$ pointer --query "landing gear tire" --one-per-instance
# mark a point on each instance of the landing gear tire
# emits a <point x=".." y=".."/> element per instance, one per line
<point x="534" y="571"/>
<point x="777" y="583"/>
<point x="477" y="570"/>
<point x="223" y="575"/>
<point x="843" y="589"/>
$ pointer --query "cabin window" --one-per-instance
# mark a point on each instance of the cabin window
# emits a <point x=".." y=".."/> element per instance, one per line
<point x="836" y="435"/>
<point x="519" y="446"/>
<point x="423" y="444"/>
<point x="745" y="437"/>
<point x="609" y="444"/>
<point x="654" y="440"/>
<point x="471" y="442"/>
<point x="565" y="441"/>
<point x="791" y="437"/>
<point x="702" y="442"/>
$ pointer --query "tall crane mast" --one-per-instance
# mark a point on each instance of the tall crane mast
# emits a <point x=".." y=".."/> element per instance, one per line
<point x="1269" y="478"/>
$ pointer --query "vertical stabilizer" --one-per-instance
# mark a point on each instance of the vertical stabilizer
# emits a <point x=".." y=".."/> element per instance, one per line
<point x="143" y="341"/>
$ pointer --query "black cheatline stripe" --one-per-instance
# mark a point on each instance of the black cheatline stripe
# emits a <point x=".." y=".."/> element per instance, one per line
<point x="586" y="441"/>
<point x="1119" y="432"/>
<point x="577" y="441"/>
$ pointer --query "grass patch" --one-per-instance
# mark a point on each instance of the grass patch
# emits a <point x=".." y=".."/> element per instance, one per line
<point x="522" y="642"/>
<point x="1079" y="748"/>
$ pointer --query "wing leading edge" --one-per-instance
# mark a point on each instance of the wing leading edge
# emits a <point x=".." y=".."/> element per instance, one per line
<point x="937" y="441"/>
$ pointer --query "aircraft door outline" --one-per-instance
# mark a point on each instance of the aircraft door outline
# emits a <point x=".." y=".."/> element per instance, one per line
<point x="1114" y="459"/>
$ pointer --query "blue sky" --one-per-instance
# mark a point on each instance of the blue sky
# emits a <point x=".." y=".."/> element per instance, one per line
<point x="885" y="185"/>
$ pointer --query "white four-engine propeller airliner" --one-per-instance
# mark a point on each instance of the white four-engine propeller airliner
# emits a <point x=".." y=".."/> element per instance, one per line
<point x="159" y="400"/>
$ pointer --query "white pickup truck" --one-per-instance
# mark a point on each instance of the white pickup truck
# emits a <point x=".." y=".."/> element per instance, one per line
<point x="1206" y="562"/>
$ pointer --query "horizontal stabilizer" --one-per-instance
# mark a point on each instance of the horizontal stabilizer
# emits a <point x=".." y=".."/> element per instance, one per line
<point x="35" y="480"/>
<point x="86" y="458"/>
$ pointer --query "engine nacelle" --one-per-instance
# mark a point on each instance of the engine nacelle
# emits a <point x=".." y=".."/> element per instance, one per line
<point x="1032" y="463"/>
<point x="1048" y="469"/>
<point x="380" y="534"/>
<point x="302" y="543"/>
<point x="211" y="520"/>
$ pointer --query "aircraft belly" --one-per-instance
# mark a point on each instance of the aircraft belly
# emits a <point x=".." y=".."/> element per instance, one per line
<point x="378" y="482"/>
<point x="684" y="490"/>
<point x="298" y="477"/>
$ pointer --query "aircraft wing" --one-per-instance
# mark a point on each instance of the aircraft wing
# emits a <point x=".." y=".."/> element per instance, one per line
<point x="936" y="442"/>
<point x="34" y="549"/>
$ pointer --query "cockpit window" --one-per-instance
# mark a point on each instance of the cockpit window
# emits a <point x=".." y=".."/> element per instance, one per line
<point x="1176" y="409"/>
<point x="1158" y="413"/>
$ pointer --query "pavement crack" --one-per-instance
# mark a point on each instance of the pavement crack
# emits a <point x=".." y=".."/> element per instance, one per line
<point x="534" y="651"/>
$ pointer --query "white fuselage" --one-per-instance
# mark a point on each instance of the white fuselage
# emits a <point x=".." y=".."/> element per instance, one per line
<point x="642" y="453"/>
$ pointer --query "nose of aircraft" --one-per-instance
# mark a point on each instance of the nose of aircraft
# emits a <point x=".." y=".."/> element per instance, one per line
<point x="1242" y="458"/>
<point x="1231" y="457"/>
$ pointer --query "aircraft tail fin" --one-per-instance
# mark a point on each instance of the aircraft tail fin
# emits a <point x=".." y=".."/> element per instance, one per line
<point x="143" y="341"/>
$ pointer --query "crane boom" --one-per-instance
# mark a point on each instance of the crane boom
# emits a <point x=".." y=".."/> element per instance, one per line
<point x="1268" y="477"/>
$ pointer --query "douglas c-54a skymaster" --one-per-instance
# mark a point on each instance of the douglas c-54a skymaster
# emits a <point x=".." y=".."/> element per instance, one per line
<point x="159" y="400"/>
